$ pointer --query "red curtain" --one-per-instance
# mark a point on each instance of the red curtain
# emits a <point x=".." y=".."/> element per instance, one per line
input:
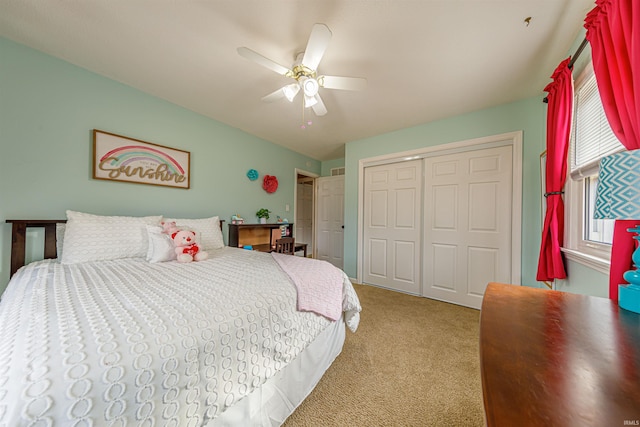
<point x="613" y="31"/>
<point x="559" y="110"/>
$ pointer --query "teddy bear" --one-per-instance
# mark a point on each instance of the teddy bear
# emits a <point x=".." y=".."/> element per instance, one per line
<point x="169" y="227"/>
<point x="187" y="249"/>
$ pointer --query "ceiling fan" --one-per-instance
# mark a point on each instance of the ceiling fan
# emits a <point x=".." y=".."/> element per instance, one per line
<point x="304" y="72"/>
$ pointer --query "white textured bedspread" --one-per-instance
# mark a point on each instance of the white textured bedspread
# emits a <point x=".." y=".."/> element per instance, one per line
<point x="127" y="342"/>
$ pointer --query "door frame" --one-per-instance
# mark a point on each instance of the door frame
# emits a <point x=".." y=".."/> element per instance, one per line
<point x="514" y="139"/>
<point x="312" y="175"/>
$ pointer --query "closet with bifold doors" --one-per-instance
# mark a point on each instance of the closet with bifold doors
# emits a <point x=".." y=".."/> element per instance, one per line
<point x="440" y="224"/>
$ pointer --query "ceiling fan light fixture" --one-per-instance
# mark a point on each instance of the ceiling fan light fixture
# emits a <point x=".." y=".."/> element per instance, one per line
<point x="310" y="86"/>
<point x="290" y="91"/>
<point x="304" y="72"/>
<point x="309" y="101"/>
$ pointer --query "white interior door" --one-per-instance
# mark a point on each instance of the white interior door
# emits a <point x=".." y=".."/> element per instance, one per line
<point x="467" y="224"/>
<point x="392" y="225"/>
<point x="330" y="219"/>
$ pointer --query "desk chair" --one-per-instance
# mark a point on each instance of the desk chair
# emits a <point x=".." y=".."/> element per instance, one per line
<point x="285" y="245"/>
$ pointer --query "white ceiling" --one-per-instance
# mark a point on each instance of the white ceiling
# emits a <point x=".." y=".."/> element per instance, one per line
<point x="423" y="59"/>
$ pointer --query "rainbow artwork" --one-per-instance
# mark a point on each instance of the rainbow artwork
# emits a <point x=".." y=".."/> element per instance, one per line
<point x="123" y="156"/>
<point x="141" y="162"/>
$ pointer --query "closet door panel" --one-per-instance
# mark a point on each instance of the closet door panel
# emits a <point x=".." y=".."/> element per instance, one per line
<point x="392" y="226"/>
<point x="467" y="224"/>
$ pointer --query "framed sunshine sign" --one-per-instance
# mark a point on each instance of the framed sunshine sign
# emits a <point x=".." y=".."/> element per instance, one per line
<point x="118" y="158"/>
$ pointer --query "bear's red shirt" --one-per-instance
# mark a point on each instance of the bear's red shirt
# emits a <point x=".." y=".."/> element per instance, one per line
<point x="191" y="249"/>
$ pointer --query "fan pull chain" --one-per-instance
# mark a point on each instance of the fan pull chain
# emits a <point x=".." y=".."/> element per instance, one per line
<point x="308" y="123"/>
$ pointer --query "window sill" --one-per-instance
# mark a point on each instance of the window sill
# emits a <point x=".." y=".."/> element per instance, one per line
<point x="596" y="263"/>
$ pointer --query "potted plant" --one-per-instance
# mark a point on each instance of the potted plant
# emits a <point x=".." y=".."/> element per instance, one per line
<point x="263" y="214"/>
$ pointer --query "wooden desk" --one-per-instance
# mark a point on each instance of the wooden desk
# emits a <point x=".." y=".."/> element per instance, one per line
<point x="552" y="358"/>
<point x="260" y="236"/>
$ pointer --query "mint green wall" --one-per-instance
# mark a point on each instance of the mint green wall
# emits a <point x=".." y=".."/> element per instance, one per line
<point x="327" y="165"/>
<point x="48" y="109"/>
<point x="583" y="280"/>
<point x="527" y="115"/>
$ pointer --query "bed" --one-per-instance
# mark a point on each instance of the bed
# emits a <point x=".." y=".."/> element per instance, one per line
<point x="238" y="339"/>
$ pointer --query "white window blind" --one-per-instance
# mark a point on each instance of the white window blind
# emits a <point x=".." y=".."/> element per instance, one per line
<point x="592" y="137"/>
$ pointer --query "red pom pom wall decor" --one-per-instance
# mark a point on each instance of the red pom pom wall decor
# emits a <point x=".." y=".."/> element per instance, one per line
<point x="270" y="183"/>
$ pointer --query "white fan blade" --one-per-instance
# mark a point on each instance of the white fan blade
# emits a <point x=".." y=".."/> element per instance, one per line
<point x="264" y="61"/>
<point x="274" y="96"/>
<point x="319" y="107"/>
<point x="317" y="44"/>
<point x="342" y="83"/>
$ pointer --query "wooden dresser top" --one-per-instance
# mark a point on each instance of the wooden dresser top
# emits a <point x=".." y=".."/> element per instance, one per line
<point x="552" y="358"/>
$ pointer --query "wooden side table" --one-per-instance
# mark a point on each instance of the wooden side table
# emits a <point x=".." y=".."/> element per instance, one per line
<point x="552" y="358"/>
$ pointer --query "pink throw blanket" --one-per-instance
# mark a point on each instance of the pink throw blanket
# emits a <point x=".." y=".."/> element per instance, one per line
<point x="319" y="284"/>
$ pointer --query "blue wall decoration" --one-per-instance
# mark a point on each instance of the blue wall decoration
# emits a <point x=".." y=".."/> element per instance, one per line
<point x="252" y="174"/>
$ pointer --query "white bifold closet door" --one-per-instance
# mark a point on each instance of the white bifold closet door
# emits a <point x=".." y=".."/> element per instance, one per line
<point x="467" y="224"/>
<point x="392" y="225"/>
<point x="445" y="235"/>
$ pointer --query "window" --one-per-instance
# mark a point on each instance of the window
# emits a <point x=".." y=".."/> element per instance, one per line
<point x="597" y="231"/>
<point x="591" y="139"/>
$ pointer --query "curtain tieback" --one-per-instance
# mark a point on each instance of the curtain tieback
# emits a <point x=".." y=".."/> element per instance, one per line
<point x="553" y="193"/>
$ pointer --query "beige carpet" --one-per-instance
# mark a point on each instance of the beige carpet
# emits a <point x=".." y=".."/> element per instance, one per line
<point x="412" y="362"/>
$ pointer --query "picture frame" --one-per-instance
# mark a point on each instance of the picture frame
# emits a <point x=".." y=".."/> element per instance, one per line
<point x="120" y="158"/>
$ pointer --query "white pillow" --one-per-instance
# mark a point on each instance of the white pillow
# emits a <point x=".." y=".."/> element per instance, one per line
<point x="208" y="233"/>
<point x="95" y="238"/>
<point x="161" y="247"/>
